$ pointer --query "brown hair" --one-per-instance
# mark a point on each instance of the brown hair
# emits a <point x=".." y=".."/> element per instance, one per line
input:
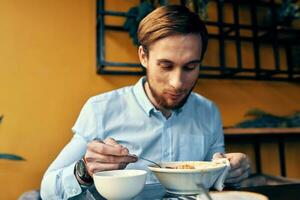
<point x="170" y="20"/>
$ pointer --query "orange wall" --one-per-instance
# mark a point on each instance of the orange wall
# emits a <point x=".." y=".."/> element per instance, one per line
<point x="48" y="70"/>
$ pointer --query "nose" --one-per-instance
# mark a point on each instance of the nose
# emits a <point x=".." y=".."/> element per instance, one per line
<point x="176" y="80"/>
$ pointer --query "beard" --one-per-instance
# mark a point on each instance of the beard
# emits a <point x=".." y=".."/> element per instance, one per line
<point x="162" y="101"/>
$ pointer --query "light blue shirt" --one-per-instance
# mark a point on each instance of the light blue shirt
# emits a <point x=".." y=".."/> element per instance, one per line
<point x="193" y="132"/>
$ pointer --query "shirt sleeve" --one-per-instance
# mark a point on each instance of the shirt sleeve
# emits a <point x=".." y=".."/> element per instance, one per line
<point x="217" y="144"/>
<point x="87" y="124"/>
<point x="59" y="181"/>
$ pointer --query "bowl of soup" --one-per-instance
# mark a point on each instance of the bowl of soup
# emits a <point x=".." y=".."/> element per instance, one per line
<point x="186" y="177"/>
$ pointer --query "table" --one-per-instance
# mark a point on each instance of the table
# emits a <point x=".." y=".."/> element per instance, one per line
<point x="157" y="192"/>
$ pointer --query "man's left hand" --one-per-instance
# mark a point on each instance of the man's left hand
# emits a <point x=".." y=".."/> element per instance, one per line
<point x="239" y="168"/>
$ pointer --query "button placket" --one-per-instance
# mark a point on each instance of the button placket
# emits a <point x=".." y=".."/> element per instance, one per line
<point x="74" y="191"/>
<point x="168" y="144"/>
<point x="170" y="139"/>
<point x="164" y="153"/>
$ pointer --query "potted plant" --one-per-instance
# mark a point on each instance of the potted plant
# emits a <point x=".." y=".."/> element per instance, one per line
<point x="135" y="15"/>
<point x="262" y="119"/>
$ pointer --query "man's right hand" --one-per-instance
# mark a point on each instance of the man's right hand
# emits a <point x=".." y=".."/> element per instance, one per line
<point x="106" y="155"/>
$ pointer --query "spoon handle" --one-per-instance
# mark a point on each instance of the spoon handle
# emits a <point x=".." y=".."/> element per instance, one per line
<point x="203" y="192"/>
<point x="150" y="161"/>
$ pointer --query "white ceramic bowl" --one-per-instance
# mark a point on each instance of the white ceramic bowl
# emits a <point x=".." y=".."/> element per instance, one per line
<point x="187" y="181"/>
<point x="120" y="184"/>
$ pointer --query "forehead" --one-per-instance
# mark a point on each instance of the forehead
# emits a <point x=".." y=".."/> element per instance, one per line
<point x="177" y="46"/>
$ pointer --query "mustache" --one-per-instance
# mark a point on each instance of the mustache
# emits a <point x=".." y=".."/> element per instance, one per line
<point x="174" y="91"/>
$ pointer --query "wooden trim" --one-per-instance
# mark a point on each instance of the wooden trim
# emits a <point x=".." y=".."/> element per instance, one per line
<point x="263" y="131"/>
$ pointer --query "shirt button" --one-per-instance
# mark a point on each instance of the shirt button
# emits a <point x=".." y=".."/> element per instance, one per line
<point x="68" y="190"/>
<point x="74" y="191"/>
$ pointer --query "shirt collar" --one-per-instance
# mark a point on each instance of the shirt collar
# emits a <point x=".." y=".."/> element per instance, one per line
<point x="144" y="101"/>
<point x="142" y="97"/>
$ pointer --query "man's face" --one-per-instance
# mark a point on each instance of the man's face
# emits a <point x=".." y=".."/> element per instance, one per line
<point x="172" y="69"/>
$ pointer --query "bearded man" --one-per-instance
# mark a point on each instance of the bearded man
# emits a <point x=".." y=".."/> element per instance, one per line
<point x="159" y="118"/>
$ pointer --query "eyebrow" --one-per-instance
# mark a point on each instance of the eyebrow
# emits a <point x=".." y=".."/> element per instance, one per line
<point x="169" y="61"/>
<point x="164" y="61"/>
<point x="193" y="62"/>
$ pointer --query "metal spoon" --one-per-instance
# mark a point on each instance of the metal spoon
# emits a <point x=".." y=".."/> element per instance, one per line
<point x="203" y="193"/>
<point x="151" y="161"/>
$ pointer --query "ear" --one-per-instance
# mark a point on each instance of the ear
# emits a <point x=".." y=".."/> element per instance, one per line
<point x="143" y="56"/>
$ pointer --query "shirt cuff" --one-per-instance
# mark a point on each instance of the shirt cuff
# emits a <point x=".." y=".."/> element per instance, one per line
<point x="70" y="183"/>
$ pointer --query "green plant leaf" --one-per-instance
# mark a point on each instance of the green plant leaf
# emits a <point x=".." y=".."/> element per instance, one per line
<point x="144" y="9"/>
<point x="10" y="157"/>
<point x="163" y="2"/>
<point x="255" y="112"/>
<point x="263" y="119"/>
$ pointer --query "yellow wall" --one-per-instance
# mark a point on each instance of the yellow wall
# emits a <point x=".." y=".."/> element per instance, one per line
<point x="48" y="70"/>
